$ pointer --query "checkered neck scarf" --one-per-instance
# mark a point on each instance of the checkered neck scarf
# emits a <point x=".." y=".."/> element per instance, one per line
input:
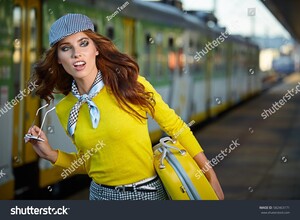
<point x="85" y="98"/>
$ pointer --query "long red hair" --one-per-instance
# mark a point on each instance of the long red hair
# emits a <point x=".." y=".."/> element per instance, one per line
<point x="119" y="73"/>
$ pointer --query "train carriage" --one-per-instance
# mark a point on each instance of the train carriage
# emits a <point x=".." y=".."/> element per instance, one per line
<point x="163" y="40"/>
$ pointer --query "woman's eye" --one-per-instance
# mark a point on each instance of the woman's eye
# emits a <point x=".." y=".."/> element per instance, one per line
<point x="84" y="43"/>
<point x="65" y="48"/>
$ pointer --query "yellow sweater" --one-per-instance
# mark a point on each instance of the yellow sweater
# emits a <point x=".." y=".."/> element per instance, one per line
<point x="119" y="150"/>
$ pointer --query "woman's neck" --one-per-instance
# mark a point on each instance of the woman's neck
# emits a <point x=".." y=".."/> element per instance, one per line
<point x="84" y="85"/>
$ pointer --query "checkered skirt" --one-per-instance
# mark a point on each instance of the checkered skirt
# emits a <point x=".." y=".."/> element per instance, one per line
<point x="98" y="192"/>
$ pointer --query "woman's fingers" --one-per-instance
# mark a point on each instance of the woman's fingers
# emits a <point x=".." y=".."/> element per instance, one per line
<point x="35" y="129"/>
<point x="41" y="147"/>
<point x="36" y="132"/>
<point x="32" y="130"/>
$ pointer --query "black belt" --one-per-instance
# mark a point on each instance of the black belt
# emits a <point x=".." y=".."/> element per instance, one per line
<point x="134" y="186"/>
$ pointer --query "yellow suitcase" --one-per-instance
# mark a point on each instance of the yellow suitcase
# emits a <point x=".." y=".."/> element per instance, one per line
<point x="179" y="172"/>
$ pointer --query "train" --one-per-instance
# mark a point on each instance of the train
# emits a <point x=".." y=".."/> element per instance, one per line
<point x="199" y="70"/>
<point x="284" y="65"/>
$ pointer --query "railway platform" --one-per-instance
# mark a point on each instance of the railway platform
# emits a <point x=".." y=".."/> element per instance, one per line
<point x="265" y="166"/>
<point x="264" y="163"/>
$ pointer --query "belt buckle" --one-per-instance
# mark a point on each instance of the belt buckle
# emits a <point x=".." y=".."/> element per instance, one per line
<point x="120" y="188"/>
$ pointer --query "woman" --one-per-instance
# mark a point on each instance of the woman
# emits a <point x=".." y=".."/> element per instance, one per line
<point x="106" y="101"/>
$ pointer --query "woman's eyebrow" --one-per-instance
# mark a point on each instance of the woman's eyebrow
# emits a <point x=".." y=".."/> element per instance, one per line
<point x="66" y="42"/>
<point x="83" y="38"/>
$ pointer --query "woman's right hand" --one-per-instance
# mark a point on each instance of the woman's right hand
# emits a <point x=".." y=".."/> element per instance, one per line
<point x="42" y="148"/>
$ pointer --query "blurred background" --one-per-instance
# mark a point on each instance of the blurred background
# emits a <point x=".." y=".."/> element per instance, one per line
<point x="228" y="68"/>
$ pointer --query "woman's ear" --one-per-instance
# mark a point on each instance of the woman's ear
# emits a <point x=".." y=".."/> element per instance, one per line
<point x="97" y="53"/>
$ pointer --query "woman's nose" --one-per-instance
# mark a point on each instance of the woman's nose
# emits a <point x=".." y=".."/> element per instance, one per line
<point x="76" y="53"/>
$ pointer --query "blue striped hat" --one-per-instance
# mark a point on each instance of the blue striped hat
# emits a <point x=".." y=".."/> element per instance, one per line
<point x="67" y="25"/>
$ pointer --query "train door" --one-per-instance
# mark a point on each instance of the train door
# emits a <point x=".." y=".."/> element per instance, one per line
<point x="26" y="49"/>
<point x="181" y="82"/>
<point x="23" y="37"/>
<point x="27" y="38"/>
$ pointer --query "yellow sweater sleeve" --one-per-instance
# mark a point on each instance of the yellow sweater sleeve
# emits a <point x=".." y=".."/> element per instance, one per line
<point x="74" y="161"/>
<point x="171" y="123"/>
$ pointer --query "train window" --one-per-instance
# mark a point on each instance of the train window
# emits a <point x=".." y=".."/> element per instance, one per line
<point x="191" y="43"/>
<point x="17" y="48"/>
<point x="198" y="65"/>
<point x="33" y="37"/>
<point x="219" y="60"/>
<point x="172" y="59"/>
<point x="171" y="42"/>
<point x="159" y="62"/>
<point x="95" y="27"/>
<point x="149" y="39"/>
<point x="181" y="60"/>
<point x="110" y="32"/>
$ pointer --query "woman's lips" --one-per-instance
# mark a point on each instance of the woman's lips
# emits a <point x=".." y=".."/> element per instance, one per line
<point x="79" y="65"/>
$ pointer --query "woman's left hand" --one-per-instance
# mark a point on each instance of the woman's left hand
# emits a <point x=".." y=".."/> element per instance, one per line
<point x="42" y="148"/>
<point x="202" y="161"/>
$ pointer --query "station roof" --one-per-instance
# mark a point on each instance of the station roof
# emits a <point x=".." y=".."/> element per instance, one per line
<point x="287" y="12"/>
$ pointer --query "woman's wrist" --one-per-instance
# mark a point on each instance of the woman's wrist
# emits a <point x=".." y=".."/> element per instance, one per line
<point x="52" y="157"/>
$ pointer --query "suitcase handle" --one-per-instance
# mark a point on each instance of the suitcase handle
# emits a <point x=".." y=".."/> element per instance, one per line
<point x="164" y="147"/>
